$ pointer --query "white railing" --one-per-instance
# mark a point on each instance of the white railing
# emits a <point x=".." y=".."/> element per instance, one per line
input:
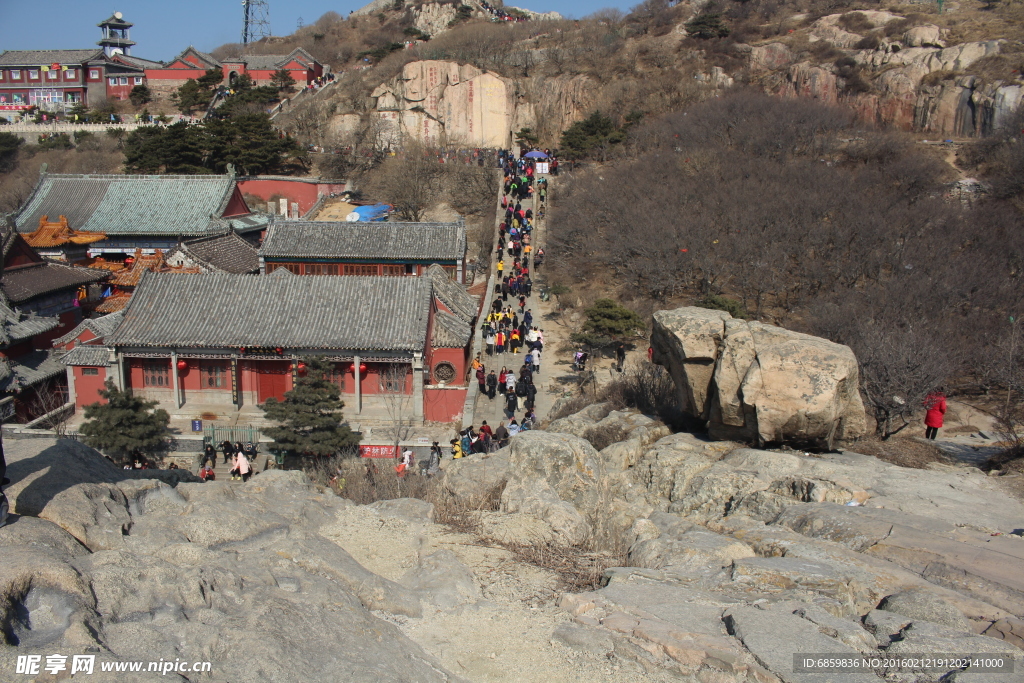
<point x="62" y="127"/>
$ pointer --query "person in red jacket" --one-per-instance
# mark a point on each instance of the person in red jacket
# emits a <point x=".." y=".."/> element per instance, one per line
<point x="935" y="404"/>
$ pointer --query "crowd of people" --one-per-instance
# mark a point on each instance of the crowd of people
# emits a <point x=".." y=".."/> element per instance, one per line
<point x="241" y="458"/>
<point x="499" y="14"/>
<point x="509" y="329"/>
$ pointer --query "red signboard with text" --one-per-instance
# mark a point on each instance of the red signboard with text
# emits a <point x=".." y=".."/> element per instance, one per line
<point x="378" y="451"/>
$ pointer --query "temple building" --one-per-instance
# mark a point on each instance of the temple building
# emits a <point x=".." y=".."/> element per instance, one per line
<point x="344" y="248"/>
<point x="56" y="240"/>
<point x="227" y="253"/>
<point x="224" y="343"/>
<point x="48" y="288"/>
<point x="140" y="211"/>
<point x="192" y="63"/>
<point x="57" y="80"/>
<point x="123" y="282"/>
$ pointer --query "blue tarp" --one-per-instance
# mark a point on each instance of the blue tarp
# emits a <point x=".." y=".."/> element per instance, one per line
<point x="376" y="212"/>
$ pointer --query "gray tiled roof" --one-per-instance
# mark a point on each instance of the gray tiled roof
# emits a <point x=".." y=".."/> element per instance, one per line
<point x="139" y="61"/>
<point x="87" y="354"/>
<point x="452" y="294"/>
<point x="31" y="326"/>
<point x="15" y="326"/>
<point x="263" y="62"/>
<point x="381" y="241"/>
<point x="101" y="327"/>
<point x="31" y="369"/>
<point x="47" y="57"/>
<point x="20" y="285"/>
<point x="247" y="223"/>
<point x="450" y="331"/>
<point x="129" y="204"/>
<point x="210" y="60"/>
<point x="327" y="312"/>
<point x="228" y="253"/>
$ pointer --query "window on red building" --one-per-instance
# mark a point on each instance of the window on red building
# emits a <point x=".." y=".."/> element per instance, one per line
<point x="156" y="373"/>
<point x="321" y="269"/>
<point x="337" y="377"/>
<point x="33" y="74"/>
<point x="213" y="375"/>
<point x="15" y="74"/>
<point x="94" y="73"/>
<point x="90" y="371"/>
<point x="360" y="270"/>
<point x="394" y="270"/>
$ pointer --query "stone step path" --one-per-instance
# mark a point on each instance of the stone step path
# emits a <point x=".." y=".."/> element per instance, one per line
<point x="552" y="363"/>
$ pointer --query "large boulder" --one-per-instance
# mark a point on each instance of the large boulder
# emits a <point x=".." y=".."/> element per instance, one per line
<point x="752" y="381"/>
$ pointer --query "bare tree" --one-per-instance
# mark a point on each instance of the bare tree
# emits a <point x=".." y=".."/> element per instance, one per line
<point x="391" y="386"/>
<point x="411" y="182"/>
<point x="50" y="399"/>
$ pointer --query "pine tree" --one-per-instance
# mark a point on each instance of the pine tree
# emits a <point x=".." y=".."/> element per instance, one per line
<point x="607" y="321"/>
<point x="614" y="320"/>
<point x="310" y="415"/>
<point x="125" y="424"/>
<point x="190" y="96"/>
<point x="283" y="81"/>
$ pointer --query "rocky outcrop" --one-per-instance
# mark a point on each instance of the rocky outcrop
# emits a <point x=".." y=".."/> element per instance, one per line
<point x="239" y="575"/>
<point x="739" y="559"/>
<point x="753" y="381"/>
<point x="434" y="100"/>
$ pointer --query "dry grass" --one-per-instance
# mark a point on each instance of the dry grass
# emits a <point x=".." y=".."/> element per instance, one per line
<point x="578" y="567"/>
<point x="904" y="452"/>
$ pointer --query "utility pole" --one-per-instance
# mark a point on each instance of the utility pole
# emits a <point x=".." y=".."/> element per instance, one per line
<point x="255" y="20"/>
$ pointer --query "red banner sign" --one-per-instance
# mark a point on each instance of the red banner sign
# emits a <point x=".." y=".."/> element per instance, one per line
<point x="14" y="107"/>
<point x="378" y="451"/>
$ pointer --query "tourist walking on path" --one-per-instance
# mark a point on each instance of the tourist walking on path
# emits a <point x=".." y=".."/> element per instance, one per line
<point x="935" y="405"/>
<point x="620" y="355"/>
<point x="433" y="465"/>
<point x="492" y="385"/>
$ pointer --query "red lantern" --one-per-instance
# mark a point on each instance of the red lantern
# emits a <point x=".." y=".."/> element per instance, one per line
<point x="302" y="368"/>
<point x="362" y="368"/>
<point x="279" y="350"/>
<point x="182" y="365"/>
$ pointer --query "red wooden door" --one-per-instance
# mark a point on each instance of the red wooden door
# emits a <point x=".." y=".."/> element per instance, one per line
<point x="272" y="379"/>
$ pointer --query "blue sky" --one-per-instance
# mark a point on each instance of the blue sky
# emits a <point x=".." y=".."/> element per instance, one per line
<point x="163" y="29"/>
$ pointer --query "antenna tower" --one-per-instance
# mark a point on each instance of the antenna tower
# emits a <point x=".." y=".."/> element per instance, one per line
<point x="255" y="20"/>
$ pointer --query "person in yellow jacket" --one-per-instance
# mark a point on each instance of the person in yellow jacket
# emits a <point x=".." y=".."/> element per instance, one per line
<point x="457" y="449"/>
